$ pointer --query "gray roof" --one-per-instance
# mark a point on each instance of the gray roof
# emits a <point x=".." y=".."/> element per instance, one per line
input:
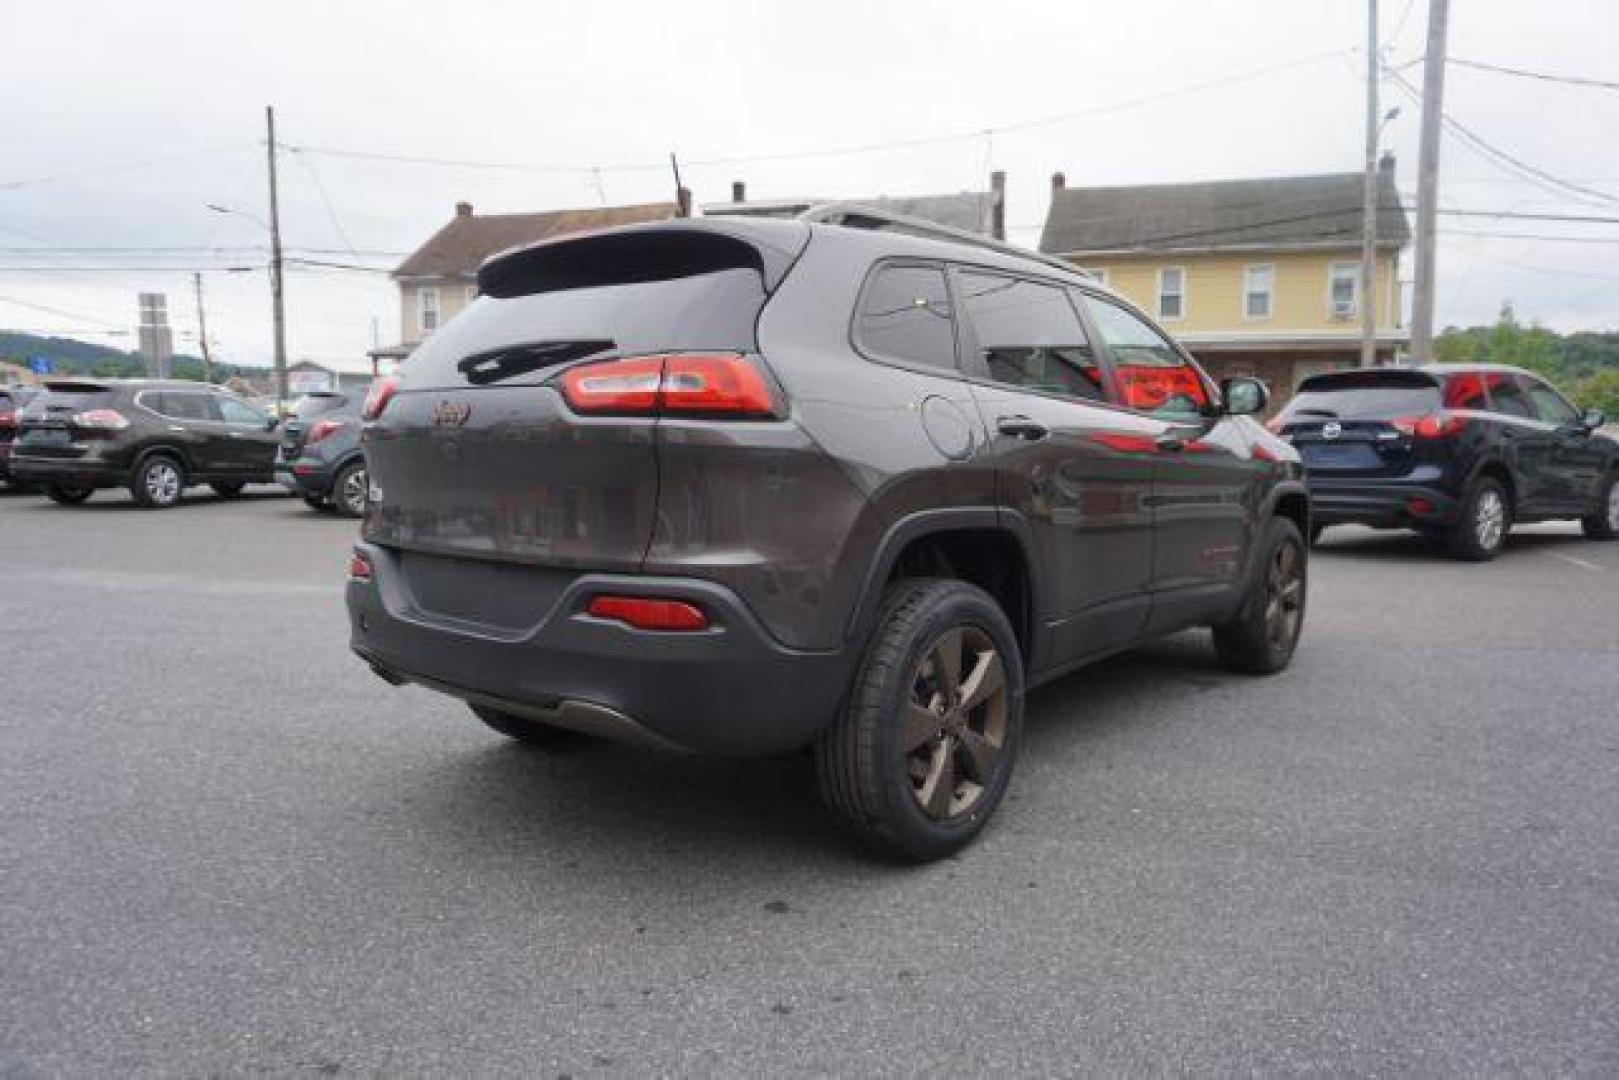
<point x="969" y="210"/>
<point x="1280" y="212"/>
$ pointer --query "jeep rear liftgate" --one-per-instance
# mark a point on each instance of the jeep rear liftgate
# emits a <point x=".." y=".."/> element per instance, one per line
<point x="524" y="430"/>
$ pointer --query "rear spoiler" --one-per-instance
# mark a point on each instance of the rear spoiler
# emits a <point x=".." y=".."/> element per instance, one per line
<point x="77" y="386"/>
<point x="1370" y="378"/>
<point x="657" y="251"/>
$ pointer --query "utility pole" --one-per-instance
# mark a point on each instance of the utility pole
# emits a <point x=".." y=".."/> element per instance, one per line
<point x="1368" y="224"/>
<point x="682" y="193"/>
<point x="1433" y="94"/>
<point x="202" y="332"/>
<point x="278" y="310"/>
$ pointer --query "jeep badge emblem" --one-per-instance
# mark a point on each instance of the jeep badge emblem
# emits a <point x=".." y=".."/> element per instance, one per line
<point x="451" y="413"/>
<point x="1331" y="429"/>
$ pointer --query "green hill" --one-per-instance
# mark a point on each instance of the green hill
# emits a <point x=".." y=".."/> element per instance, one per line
<point x="70" y="356"/>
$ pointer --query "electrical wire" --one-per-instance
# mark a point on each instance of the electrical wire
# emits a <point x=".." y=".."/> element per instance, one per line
<point x="1570" y="80"/>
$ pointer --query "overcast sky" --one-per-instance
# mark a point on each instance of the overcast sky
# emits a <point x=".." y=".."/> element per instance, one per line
<point x="89" y="91"/>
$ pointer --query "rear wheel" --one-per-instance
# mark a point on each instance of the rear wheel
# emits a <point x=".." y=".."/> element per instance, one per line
<point x="228" y="489"/>
<point x="349" y="490"/>
<point x="1263" y="636"/>
<point x="1486" y="517"/>
<point x="158" y="482"/>
<point x="526" y="731"/>
<point x="924" y="750"/>
<point x="67" y="496"/>
<point x="1604" y="524"/>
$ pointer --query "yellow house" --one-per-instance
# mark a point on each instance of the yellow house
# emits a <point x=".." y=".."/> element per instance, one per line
<point x="441" y="277"/>
<point x="1255" y="277"/>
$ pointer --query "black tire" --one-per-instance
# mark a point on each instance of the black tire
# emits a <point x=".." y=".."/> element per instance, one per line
<point x="159" y="482"/>
<point x="1486" y="518"/>
<point x="1262" y="637"/>
<point x="349" y="490"/>
<point x="67" y="496"/>
<point x="887" y="793"/>
<point x="228" y="489"/>
<point x="1604" y="524"/>
<point x="526" y="731"/>
<point x="317" y="502"/>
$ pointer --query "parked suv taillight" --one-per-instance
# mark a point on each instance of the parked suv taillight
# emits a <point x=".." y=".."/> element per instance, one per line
<point x="101" y="420"/>
<point x="376" y="399"/>
<point x="323" y="429"/>
<point x="719" y="384"/>
<point x="1435" y="425"/>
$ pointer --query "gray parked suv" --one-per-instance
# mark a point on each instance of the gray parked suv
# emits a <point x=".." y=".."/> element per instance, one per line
<point x="743" y="487"/>
<point x="319" y="459"/>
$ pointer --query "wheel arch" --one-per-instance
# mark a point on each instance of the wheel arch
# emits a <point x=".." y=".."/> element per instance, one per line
<point x="990" y="548"/>
<point x="169" y="450"/>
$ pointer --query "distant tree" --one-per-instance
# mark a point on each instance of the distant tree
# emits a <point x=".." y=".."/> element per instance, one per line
<point x="1599" y="391"/>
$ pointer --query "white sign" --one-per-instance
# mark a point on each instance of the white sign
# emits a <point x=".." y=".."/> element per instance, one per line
<point x="308" y="382"/>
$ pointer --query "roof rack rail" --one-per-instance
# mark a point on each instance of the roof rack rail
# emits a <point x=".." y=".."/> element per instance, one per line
<point x="860" y="216"/>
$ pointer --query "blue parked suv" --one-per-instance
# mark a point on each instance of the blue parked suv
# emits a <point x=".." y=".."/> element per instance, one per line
<point x="320" y="457"/>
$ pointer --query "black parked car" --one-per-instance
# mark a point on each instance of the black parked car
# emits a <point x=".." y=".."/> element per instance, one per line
<point x="12" y="399"/>
<point x="743" y="487"/>
<point x="1462" y="452"/>
<point x="320" y="458"/>
<point x="155" y="437"/>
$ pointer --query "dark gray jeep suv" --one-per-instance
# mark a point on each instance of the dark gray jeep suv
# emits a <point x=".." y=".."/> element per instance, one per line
<point x="744" y="487"/>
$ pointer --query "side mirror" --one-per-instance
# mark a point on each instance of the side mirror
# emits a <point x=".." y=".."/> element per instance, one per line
<point x="1593" y="419"/>
<point x="1244" y="396"/>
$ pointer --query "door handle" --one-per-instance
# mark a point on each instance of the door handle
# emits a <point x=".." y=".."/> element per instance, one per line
<point x="1171" y="442"/>
<point x="1021" y="427"/>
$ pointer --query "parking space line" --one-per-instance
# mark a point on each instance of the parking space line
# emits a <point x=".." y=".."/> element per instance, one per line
<point x="1575" y="561"/>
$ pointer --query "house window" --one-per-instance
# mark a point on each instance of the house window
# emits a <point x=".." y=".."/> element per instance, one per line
<point x="1258" y="290"/>
<point x="1095" y="273"/>
<point x="1343" y="290"/>
<point x="429" y="310"/>
<point x="1171" y="292"/>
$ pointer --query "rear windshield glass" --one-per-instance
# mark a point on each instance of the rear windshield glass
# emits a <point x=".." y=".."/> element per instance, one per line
<point x="1363" y="396"/>
<point x="517" y="340"/>
<point x="312" y="405"/>
<point x="74" y="400"/>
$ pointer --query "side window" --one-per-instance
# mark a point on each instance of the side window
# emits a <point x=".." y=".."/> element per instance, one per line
<point x="905" y="315"/>
<point x="1029" y="336"/>
<point x="184" y="405"/>
<point x="1506" y="396"/>
<point x="235" y="412"/>
<point x="1549" y="404"/>
<point x="1152" y="376"/>
<point x="1465" y="391"/>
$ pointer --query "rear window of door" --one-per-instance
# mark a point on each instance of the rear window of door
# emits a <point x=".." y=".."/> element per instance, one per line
<point x="905" y="315"/>
<point x="1028" y="335"/>
<point x="1550" y="406"/>
<point x="234" y="412"/>
<point x="1507" y="397"/>
<point x="1465" y="391"/>
<point x="1151" y="374"/>
<point x="183" y="405"/>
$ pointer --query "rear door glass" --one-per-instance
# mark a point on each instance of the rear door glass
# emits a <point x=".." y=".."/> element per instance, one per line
<point x="1507" y="397"/>
<point x="1028" y="335"/>
<point x="1466" y="391"/>
<point x="905" y="315"/>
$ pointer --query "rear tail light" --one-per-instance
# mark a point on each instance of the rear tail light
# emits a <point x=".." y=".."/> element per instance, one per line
<point x="691" y="384"/>
<point x="359" y="566"/>
<point x="646" y="613"/>
<point x="1435" y="425"/>
<point x="324" y="428"/>
<point x="8" y="419"/>
<point x="376" y="399"/>
<point x="101" y="420"/>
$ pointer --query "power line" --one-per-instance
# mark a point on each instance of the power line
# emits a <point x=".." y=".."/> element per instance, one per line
<point x="13" y="185"/>
<point x="838" y="151"/>
<point x="56" y="311"/>
<point x="1571" y="80"/>
<point x="1531" y="236"/>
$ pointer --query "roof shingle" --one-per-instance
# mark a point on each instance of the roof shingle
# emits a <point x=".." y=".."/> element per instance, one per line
<point x="1289" y="211"/>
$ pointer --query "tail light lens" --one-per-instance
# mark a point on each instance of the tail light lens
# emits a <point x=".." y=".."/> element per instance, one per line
<point x="101" y="420"/>
<point x="647" y="613"/>
<point x="323" y="429"/>
<point x="359" y="567"/>
<point x="376" y="399"/>
<point x="690" y="384"/>
<point x="1435" y="425"/>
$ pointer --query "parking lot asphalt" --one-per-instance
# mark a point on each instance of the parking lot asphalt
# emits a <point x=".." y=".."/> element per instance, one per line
<point x="228" y="848"/>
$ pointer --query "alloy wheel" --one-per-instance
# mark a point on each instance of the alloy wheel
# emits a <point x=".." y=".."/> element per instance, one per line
<point x="162" y="482"/>
<point x="1284" y="595"/>
<point x="1489" y="519"/>
<point x="354" y="491"/>
<point x="955" y="722"/>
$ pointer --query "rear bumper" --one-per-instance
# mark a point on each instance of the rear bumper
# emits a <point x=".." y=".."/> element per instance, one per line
<point x="1381" y="503"/>
<point x="67" y="472"/>
<point x="731" y="689"/>
<point x="305" y="477"/>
